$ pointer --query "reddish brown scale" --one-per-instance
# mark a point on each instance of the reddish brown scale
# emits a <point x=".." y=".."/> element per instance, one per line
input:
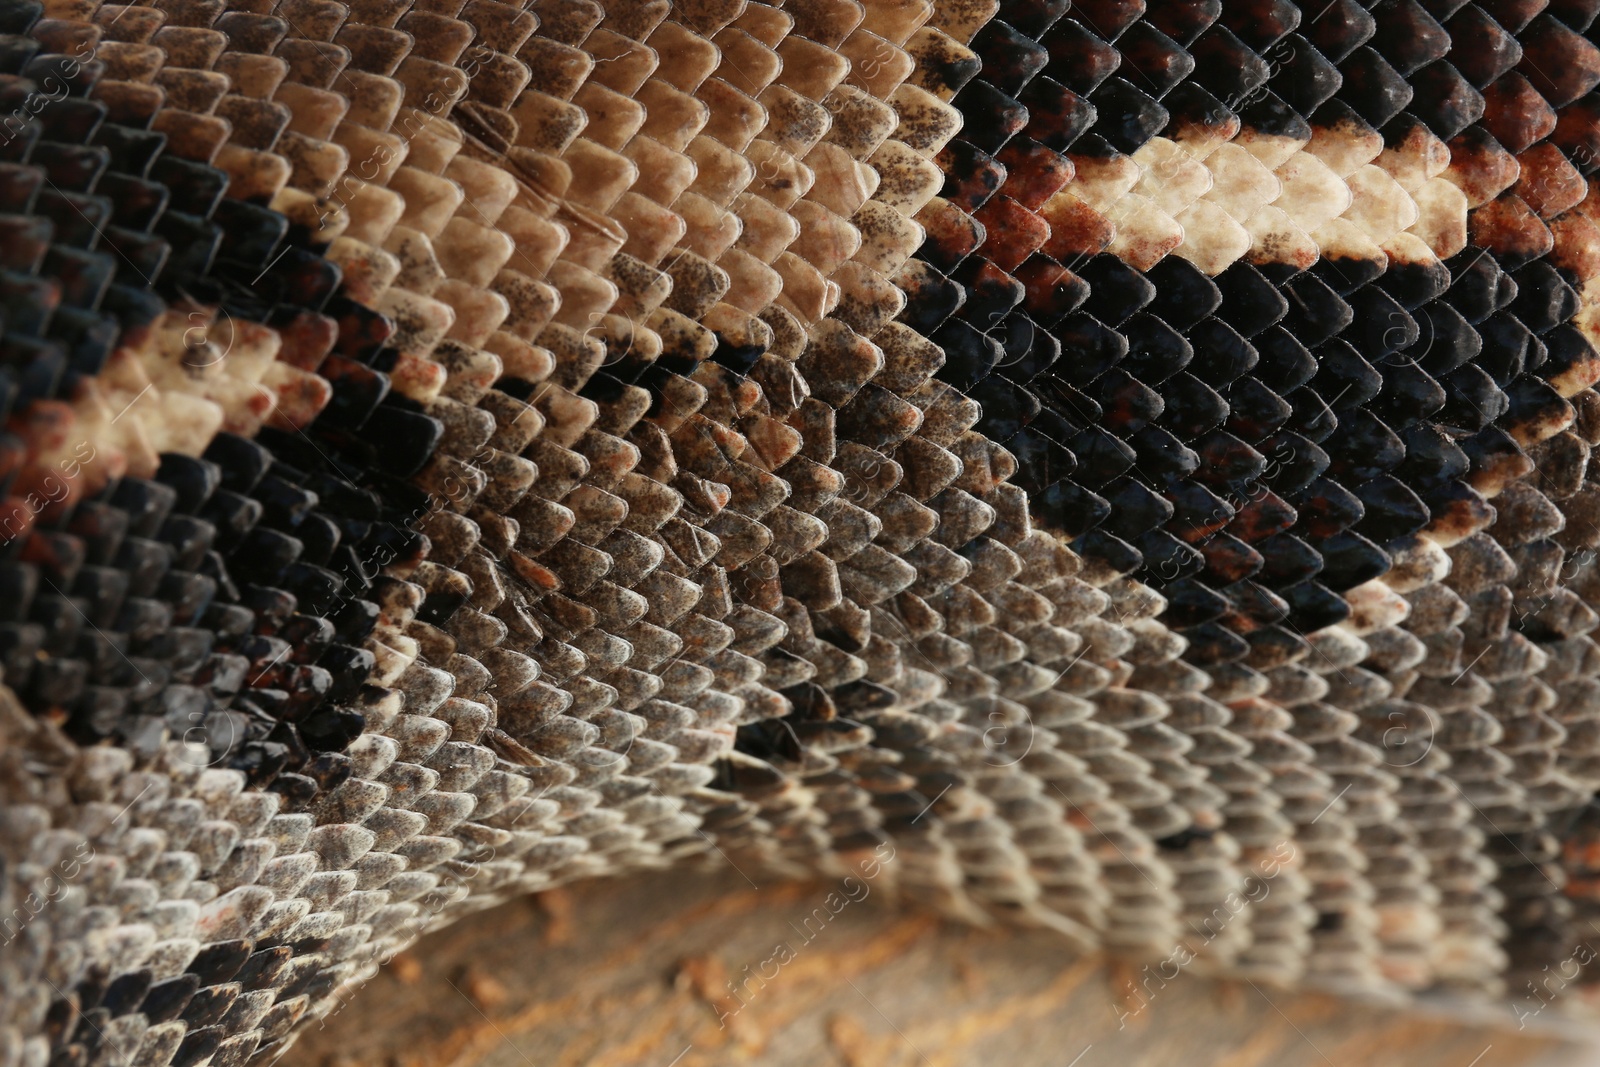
<point x="1549" y="185"/>
<point x="1034" y="173"/>
<point x="1515" y="113"/>
<point x="952" y="234"/>
<point x="1577" y="245"/>
<point x="1510" y="230"/>
<point x="1077" y="231"/>
<point x="1014" y="232"/>
<point x="307" y="340"/>
<point x="299" y="402"/>
<point x="1577" y="133"/>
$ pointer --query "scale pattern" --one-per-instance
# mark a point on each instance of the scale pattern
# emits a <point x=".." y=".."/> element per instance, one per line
<point x="1132" y="460"/>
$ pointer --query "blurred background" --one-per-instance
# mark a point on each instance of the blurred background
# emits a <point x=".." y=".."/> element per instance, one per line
<point x="707" y="967"/>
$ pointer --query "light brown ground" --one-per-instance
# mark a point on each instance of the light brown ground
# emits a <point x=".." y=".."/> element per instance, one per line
<point x="629" y="974"/>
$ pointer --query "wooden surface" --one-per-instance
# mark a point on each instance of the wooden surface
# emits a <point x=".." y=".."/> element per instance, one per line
<point x="636" y="973"/>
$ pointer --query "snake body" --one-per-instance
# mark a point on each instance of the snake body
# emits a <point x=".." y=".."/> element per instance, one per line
<point x="1117" y="467"/>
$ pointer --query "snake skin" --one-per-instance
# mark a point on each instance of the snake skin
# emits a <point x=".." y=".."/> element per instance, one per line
<point x="1125" y="462"/>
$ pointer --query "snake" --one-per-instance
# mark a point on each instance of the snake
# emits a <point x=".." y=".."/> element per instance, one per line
<point x="1116" y="467"/>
